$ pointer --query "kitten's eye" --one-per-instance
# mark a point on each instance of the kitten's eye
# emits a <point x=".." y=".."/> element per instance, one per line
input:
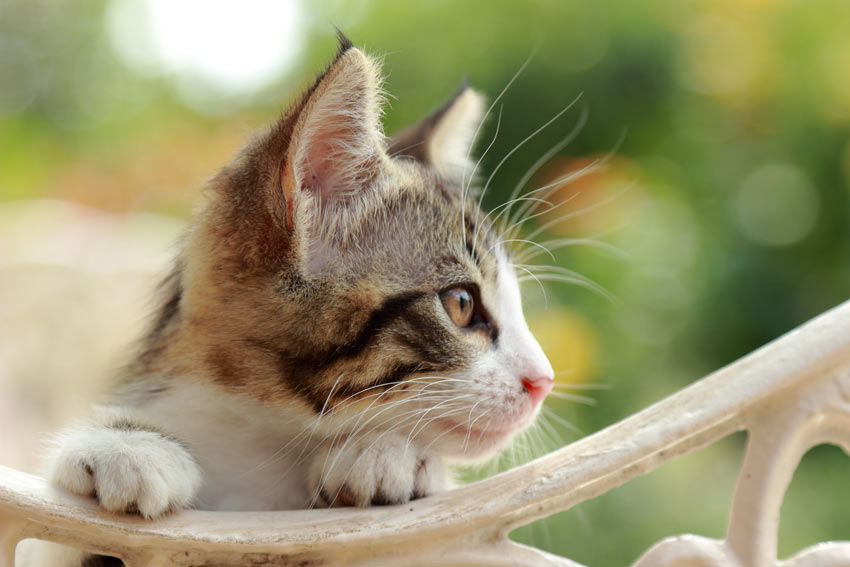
<point x="459" y="305"/>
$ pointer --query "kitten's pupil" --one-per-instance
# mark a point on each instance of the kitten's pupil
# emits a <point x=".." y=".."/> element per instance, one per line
<point x="459" y="305"/>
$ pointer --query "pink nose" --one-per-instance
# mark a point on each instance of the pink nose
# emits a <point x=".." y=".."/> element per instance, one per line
<point x="538" y="387"/>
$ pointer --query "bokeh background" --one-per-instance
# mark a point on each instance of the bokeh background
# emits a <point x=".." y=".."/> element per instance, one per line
<point x="714" y="219"/>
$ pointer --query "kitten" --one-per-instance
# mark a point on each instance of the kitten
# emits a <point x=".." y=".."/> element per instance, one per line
<point x="342" y="319"/>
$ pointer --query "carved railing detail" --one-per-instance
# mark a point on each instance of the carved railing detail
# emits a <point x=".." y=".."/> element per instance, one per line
<point x="789" y="395"/>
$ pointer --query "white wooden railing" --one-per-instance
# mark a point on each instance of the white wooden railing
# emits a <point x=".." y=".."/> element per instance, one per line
<point x="790" y="395"/>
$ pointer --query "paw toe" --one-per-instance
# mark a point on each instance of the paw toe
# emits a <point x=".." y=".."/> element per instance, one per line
<point x="430" y="478"/>
<point x="154" y="498"/>
<point x="74" y="475"/>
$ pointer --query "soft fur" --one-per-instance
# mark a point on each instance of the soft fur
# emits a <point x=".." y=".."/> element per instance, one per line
<point x="302" y="355"/>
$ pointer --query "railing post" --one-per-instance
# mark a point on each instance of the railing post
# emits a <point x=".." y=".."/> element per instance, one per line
<point x="780" y="433"/>
<point x="9" y="538"/>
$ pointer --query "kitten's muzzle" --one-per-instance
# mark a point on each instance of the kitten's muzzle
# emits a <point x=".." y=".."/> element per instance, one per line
<point x="538" y="386"/>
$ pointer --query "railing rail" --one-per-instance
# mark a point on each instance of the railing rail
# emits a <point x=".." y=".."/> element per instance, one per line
<point x="789" y="395"/>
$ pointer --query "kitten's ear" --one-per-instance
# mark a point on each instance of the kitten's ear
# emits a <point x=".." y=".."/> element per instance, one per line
<point x="337" y="145"/>
<point x="444" y="139"/>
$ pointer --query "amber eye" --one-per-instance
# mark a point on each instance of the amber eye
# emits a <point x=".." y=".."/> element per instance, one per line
<point x="459" y="305"/>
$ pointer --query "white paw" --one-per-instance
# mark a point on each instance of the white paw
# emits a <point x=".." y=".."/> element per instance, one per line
<point x="128" y="469"/>
<point x="375" y="471"/>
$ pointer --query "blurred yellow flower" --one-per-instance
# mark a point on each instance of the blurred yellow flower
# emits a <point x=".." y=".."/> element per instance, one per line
<point x="570" y="342"/>
<point x="835" y="76"/>
<point x="728" y="55"/>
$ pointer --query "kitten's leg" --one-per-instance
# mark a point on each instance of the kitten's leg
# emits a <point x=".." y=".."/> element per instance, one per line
<point x="128" y="465"/>
<point x="373" y="470"/>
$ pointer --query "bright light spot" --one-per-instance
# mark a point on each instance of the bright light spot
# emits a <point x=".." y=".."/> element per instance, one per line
<point x="230" y="48"/>
<point x="665" y="245"/>
<point x="649" y="241"/>
<point x="727" y="57"/>
<point x="777" y="206"/>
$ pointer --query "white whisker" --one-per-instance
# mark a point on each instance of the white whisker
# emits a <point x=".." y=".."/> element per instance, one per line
<point x="580" y="386"/>
<point x="549" y="414"/>
<point x="465" y="189"/>
<point x="539" y="283"/>
<point x="573" y="398"/>
<point x="548" y="155"/>
<point x="522" y="67"/>
<point x="523" y="240"/>
<point x="558" y="243"/>
<point x="515" y="148"/>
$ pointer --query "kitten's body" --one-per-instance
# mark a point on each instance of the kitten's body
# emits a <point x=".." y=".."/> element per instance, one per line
<point x="341" y="320"/>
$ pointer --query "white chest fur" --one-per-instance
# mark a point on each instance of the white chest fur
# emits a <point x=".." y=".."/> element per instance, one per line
<point x="252" y="456"/>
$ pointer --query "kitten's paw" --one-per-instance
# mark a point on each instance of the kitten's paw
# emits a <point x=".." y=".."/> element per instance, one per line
<point x="127" y="468"/>
<point x="369" y="471"/>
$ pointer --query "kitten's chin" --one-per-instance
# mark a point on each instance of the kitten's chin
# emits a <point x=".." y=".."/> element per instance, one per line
<point x="459" y="441"/>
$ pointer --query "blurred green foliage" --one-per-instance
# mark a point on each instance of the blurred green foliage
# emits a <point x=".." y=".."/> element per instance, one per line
<point x="727" y="196"/>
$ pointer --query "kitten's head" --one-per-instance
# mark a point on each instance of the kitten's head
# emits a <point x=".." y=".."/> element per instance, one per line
<point x="354" y="277"/>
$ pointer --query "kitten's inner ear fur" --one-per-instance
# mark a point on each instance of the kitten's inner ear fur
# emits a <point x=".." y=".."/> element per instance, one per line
<point x="444" y="140"/>
<point x="337" y="144"/>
